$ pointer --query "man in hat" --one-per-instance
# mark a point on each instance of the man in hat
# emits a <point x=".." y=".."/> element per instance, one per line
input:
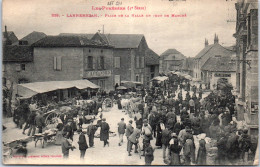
<point x="91" y="129"/>
<point x="31" y="121"/>
<point x="129" y="131"/>
<point x="104" y="132"/>
<point x="68" y="129"/>
<point x="66" y="146"/>
<point x="244" y="145"/>
<point x="39" y="120"/>
<point x="121" y="130"/>
<point x="166" y="137"/>
<point x="152" y="118"/>
<point x="133" y="139"/>
<point x="147" y="132"/>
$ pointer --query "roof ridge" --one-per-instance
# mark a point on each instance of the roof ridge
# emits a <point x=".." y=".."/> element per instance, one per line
<point x="211" y="46"/>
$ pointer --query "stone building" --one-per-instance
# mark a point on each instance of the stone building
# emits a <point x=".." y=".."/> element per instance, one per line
<point x="64" y="58"/>
<point x="218" y="68"/>
<point x="152" y="64"/>
<point x="129" y="51"/>
<point x="171" y="60"/>
<point x="247" y="63"/>
<point x="209" y="51"/>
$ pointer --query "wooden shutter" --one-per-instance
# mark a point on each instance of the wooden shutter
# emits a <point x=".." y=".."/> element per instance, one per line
<point x="254" y="28"/>
<point x="117" y="62"/>
<point x="55" y="63"/>
<point x="142" y="62"/>
<point x="59" y="63"/>
<point x="102" y="62"/>
<point x="137" y="61"/>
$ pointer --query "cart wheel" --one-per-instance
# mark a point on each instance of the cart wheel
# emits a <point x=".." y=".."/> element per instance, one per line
<point x="50" y="118"/>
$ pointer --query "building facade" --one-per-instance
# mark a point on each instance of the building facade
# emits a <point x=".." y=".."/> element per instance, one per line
<point x="247" y="63"/>
<point x="219" y="68"/>
<point x="152" y="65"/>
<point x="129" y="51"/>
<point x="58" y="58"/>
<point x="171" y="60"/>
<point x="208" y="51"/>
<point x="187" y="66"/>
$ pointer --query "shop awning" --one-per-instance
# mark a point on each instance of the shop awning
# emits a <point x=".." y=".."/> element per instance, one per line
<point x="30" y="89"/>
<point x="160" y="78"/>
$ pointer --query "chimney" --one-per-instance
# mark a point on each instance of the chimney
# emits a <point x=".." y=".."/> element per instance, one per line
<point x="206" y="42"/>
<point x="215" y="39"/>
<point x="8" y="41"/>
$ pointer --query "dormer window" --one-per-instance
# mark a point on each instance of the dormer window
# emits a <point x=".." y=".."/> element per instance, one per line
<point x="23" y="42"/>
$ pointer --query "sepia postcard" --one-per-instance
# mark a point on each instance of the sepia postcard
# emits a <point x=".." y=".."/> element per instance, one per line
<point x="130" y="82"/>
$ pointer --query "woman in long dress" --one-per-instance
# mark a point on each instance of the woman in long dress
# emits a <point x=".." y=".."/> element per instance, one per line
<point x="201" y="158"/>
<point x="59" y="136"/>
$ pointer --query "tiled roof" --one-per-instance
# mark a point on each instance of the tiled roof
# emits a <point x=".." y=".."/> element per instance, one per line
<point x="11" y="36"/>
<point x="116" y="40"/>
<point x="172" y="54"/>
<point x="33" y="37"/>
<point x="152" y="58"/>
<point x="16" y="53"/>
<point x="125" y="40"/>
<point x="89" y="36"/>
<point x="212" y="50"/>
<point x="67" y="41"/>
<point x="218" y="64"/>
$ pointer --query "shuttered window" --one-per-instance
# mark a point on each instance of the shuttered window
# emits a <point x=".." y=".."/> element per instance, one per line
<point x="90" y="62"/>
<point x="137" y="62"/>
<point x="18" y="67"/>
<point x="102" y="62"/>
<point x="57" y="63"/>
<point x="117" y="62"/>
<point x="142" y="62"/>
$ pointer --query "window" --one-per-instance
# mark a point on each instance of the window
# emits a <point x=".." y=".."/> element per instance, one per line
<point x="90" y="62"/>
<point x="57" y="63"/>
<point x="18" y="67"/>
<point x="3" y="67"/>
<point x="4" y="81"/>
<point x="117" y="62"/>
<point x="142" y="62"/>
<point x="23" y="67"/>
<point x="101" y="83"/>
<point x="101" y="63"/>
<point x="137" y="78"/>
<point x="117" y="79"/>
<point x="137" y="62"/>
<point x="142" y="78"/>
<point x="23" y="80"/>
<point x="152" y="69"/>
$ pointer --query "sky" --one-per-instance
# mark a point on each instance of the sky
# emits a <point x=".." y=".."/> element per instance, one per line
<point x="187" y="34"/>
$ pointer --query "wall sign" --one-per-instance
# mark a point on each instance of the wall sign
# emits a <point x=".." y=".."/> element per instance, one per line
<point x="96" y="74"/>
<point x="222" y="75"/>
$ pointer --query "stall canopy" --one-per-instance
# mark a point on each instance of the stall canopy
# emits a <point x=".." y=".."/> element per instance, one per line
<point x="30" y="89"/>
<point x="160" y="78"/>
<point x="121" y="88"/>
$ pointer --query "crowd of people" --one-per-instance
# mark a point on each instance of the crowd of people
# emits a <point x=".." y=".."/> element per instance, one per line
<point x="188" y="128"/>
<point x="177" y="123"/>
